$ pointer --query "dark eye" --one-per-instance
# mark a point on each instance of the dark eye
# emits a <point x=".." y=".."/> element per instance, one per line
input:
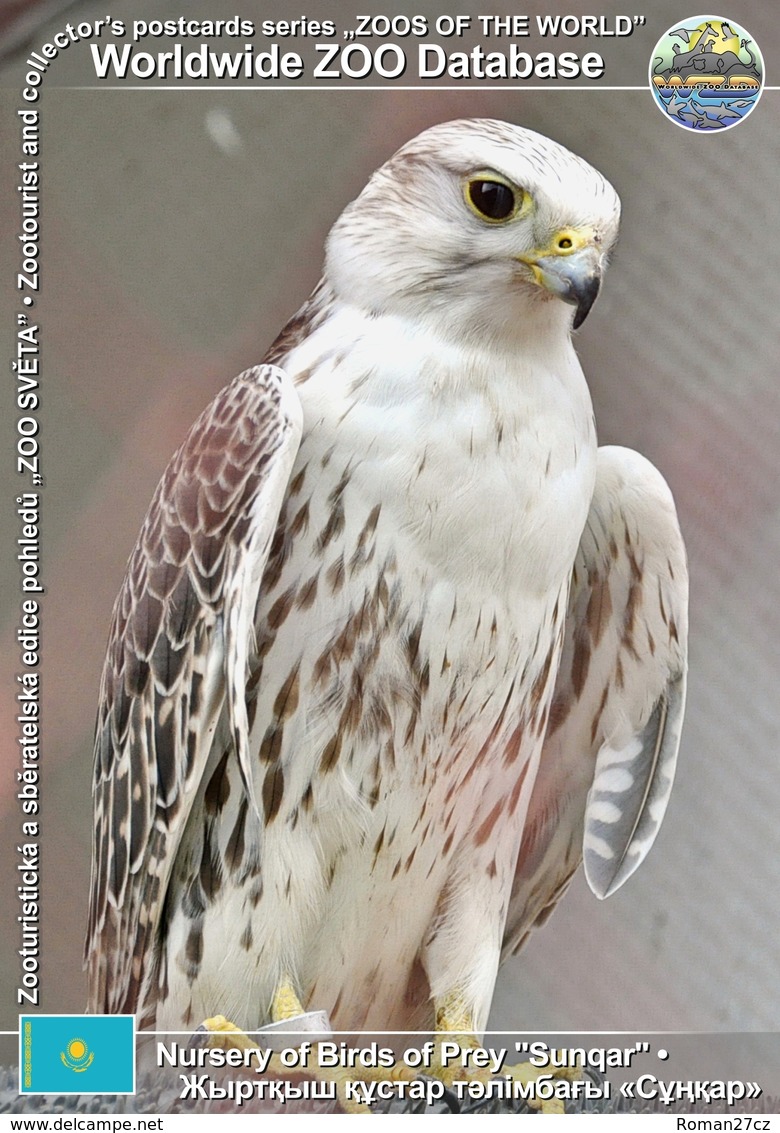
<point x="491" y="199"/>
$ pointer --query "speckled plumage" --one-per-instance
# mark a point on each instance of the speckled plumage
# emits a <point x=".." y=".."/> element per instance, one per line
<point x="391" y="615"/>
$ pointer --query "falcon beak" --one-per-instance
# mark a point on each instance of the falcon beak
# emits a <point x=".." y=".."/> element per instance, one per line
<point x="569" y="268"/>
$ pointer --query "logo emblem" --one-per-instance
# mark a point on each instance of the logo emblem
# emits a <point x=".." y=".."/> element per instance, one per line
<point x="77" y="1056"/>
<point x="706" y="74"/>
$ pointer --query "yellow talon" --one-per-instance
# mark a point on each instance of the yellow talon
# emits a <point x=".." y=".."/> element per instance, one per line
<point x="284" y="1005"/>
<point x="223" y="1034"/>
<point x="454" y="1018"/>
<point x="455" y="1022"/>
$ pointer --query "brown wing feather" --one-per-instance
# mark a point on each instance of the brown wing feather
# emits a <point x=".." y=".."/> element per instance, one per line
<point x="177" y="628"/>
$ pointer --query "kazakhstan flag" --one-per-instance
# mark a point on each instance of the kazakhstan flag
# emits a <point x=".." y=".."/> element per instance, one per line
<point x="76" y="1054"/>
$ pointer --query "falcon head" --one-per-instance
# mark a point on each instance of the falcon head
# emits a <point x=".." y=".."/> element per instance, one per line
<point x="480" y="223"/>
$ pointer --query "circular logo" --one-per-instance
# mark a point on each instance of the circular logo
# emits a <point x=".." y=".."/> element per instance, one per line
<point x="706" y="74"/>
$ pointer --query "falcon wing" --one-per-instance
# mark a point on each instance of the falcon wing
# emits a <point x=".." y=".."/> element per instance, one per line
<point x="610" y="750"/>
<point x="177" y="662"/>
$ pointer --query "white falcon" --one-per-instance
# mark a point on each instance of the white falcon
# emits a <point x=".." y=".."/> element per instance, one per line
<point x="397" y="642"/>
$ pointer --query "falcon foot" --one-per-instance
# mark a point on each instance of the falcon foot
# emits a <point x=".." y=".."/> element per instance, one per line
<point x="288" y="1021"/>
<point x="311" y="1026"/>
<point x="290" y="1026"/>
<point x="454" y="1026"/>
<point x="220" y="1034"/>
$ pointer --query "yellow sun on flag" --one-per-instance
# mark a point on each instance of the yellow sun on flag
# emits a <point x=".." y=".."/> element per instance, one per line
<point x="78" y="1056"/>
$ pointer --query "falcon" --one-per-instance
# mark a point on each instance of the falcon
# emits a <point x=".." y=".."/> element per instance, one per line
<point x="398" y="644"/>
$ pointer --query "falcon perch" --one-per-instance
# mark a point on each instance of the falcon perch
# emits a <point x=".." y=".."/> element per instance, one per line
<point x="397" y="641"/>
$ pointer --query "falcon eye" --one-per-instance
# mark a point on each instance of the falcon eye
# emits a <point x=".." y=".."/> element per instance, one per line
<point x="491" y="200"/>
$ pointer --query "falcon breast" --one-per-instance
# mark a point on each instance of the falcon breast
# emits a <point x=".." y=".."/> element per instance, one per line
<point x="397" y="641"/>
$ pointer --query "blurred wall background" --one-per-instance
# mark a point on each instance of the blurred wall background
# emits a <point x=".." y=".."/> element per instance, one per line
<point x="181" y="229"/>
